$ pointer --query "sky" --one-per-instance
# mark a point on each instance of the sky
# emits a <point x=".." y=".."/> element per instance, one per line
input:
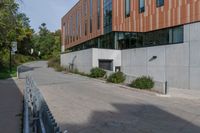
<point x="46" y="11"/>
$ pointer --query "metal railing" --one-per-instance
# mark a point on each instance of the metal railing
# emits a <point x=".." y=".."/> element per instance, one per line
<point x="37" y="116"/>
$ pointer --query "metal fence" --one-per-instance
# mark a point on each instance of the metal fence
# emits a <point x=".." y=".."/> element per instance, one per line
<point x="37" y="116"/>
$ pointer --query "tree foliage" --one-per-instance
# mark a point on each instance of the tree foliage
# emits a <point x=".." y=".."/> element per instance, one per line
<point x="48" y="43"/>
<point x="14" y="26"/>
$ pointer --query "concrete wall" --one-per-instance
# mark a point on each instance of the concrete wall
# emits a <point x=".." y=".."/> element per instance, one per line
<point x="179" y="64"/>
<point x="107" y="54"/>
<point x="85" y="60"/>
<point x="82" y="60"/>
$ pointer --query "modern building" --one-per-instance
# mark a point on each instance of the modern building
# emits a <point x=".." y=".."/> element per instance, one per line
<point x="159" y="38"/>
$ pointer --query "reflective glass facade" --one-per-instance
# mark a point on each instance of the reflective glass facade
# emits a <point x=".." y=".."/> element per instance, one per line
<point x="127" y="40"/>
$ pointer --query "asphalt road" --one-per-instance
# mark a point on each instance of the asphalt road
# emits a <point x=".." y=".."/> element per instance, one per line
<point x="83" y="105"/>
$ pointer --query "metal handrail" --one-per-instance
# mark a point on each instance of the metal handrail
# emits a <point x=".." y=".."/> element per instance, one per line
<point x="37" y="116"/>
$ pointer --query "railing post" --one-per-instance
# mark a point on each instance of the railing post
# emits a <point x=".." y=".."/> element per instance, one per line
<point x="26" y="112"/>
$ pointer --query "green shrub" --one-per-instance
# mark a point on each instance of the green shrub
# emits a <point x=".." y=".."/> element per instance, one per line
<point x="20" y="59"/>
<point x="59" y="68"/>
<point x="143" y="83"/>
<point x="97" y="73"/>
<point x="117" y="77"/>
<point x="54" y="62"/>
<point x="76" y="71"/>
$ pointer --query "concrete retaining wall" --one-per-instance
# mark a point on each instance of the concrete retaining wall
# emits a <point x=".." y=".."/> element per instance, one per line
<point x="178" y="64"/>
<point x="85" y="60"/>
<point x="82" y="60"/>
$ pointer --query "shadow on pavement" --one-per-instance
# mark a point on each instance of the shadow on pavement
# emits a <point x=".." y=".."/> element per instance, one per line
<point x="24" y="68"/>
<point x="10" y="107"/>
<point x="133" y="119"/>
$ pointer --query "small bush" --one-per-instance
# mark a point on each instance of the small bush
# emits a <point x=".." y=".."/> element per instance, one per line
<point x="117" y="77"/>
<point x="54" y="62"/>
<point x="59" y="68"/>
<point x="97" y="73"/>
<point x="18" y="59"/>
<point x="143" y="83"/>
<point x="76" y="71"/>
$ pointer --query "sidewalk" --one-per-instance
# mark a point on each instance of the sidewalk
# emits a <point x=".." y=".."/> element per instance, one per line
<point x="10" y="106"/>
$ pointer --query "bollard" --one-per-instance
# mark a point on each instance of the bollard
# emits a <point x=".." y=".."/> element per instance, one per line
<point x="166" y="87"/>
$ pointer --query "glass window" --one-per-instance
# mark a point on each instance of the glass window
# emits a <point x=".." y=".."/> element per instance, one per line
<point x="80" y="25"/>
<point x="178" y="35"/>
<point x="77" y="19"/>
<point x="141" y="6"/>
<point x="91" y="16"/>
<point x="127" y="40"/>
<point x="127" y="8"/>
<point x="159" y="3"/>
<point x="107" y="16"/>
<point x="71" y="28"/>
<point x="85" y="27"/>
<point x="98" y="14"/>
<point x="85" y="7"/>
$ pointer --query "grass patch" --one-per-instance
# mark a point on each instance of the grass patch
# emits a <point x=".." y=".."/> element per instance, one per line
<point x="5" y="73"/>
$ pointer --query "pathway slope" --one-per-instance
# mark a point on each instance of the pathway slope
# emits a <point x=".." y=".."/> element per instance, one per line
<point x="84" y="105"/>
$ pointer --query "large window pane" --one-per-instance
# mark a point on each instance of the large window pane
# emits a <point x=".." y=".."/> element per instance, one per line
<point x="107" y="16"/>
<point x="127" y="8"/>
<point x="91" y="10"/>
<point x="141" y="6"/>
<point x="178" y="34"/>
<point x="98" y="14"/>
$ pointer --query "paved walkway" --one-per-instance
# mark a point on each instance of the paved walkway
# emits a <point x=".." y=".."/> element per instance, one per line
<point x="84" y="105"/>
<point x="10" y="106"/>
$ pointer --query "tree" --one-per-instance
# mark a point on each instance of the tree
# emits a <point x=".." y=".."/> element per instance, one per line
<point x="14" y="26"/>
<point x="8" y="12"/>
<point x="24" y="34"/>
<point x="48" y="43"/>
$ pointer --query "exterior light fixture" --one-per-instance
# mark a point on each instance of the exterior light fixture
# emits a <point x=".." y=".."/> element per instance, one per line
<point x="153" y="58"/>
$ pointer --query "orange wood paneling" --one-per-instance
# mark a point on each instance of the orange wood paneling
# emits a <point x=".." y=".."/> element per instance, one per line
<point x="173" y="13"/>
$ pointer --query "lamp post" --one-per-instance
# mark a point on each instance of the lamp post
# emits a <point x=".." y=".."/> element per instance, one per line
<point x="10" y="64"/>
